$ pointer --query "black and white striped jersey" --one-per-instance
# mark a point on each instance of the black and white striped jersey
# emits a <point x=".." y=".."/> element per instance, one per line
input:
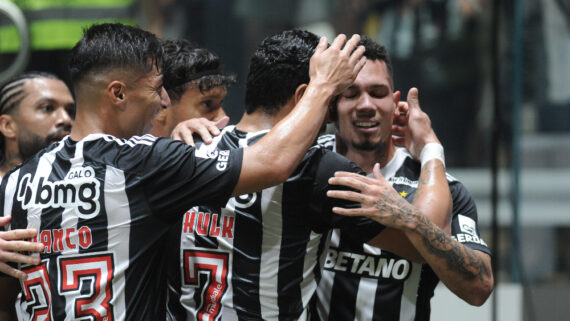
<point x="103" y="206"/>
<point x="259" y="257"/>
<point x="362" y="282"/>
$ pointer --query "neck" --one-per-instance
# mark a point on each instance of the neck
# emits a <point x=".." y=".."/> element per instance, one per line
<point x="11" y="160"/>
<point x="366" y="159"/>
<point x="260" y="120"/>
<point x="90" y="119"/>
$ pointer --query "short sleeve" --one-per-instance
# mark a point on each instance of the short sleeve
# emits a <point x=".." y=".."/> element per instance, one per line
<point x="464" y="225"/>
<point x="360" y="229"/>
<point x="174" y="176"/>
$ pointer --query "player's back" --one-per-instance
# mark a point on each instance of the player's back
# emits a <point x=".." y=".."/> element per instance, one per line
<point x="260" y="256"/>
<point x="101" y="207"/>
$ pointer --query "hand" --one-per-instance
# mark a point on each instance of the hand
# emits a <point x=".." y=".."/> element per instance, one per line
<point x="337" y="66"/>
<point x="11" y="242"/>
<point x="199" y="126"/>
<point x="412" y="126"/>
<point x="379" y="200"/>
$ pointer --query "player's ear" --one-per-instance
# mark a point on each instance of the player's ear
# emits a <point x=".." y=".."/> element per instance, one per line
<point x="116" y="92"/>
<point x="397" y="95"/>
<point x="8" y="126"/>
<point x="299" y="92"/>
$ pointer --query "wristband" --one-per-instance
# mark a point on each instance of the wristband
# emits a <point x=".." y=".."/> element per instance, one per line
<point x="431" y="151"/>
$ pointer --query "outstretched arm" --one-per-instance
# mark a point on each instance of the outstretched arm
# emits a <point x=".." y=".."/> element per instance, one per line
<point x="273" y="159"/>
<point x="466" y="272"/>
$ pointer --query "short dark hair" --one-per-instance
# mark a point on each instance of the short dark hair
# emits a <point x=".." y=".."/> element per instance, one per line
<point x="110" y="46"/>
<point x="278" y="66"/>
<point x="184" y="63"/>
<point x="11" y="95"/>
<point x="375" y="51"/>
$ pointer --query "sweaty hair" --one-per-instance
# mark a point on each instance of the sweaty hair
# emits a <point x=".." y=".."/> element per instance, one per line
<point x="278" y="66"/>
<point x="11" y="95"/>
<point x="110" y="46"/>
<point x="185" y="64"/>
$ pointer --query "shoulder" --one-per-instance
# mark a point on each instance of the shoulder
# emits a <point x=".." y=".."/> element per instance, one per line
<point x="328" y="141"/>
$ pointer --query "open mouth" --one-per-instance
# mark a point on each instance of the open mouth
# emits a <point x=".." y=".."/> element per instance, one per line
<point x="366" y="124"/>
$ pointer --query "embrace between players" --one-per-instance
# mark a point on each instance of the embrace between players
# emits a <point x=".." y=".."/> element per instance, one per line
<point x="240" y="228"/>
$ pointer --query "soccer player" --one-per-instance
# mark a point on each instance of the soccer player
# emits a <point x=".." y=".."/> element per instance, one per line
<point x="196" y="86"/>
<point x="103" y="201"/>
<point x="398" y="288"/>
<point x="36" y="109"/>
<point x="259" y="256"/>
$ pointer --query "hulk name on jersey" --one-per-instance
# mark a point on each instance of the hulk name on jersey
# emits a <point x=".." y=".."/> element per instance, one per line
<point x="259" y="257"/>
<point x="102" y="207"/>
<point x="401" y="290"/>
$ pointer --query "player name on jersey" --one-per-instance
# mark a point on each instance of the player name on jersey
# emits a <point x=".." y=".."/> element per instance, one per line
<point x="210" y="224"/>
<point x="59" y="240"/>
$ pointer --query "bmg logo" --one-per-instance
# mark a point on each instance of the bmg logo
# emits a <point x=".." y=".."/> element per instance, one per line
<point x="79" y="191"/>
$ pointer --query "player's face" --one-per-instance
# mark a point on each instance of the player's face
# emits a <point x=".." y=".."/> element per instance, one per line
<point x="365" y="110"/>
<point x="146" y="96"/>
<point x="195" y="104"/>
<point x="44" y="116"/>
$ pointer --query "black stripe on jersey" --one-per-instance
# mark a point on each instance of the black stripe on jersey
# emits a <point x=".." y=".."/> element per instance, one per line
<point x="148" y="240"/>
<point x="387" y="300"/>
<point x="346" y="289"/>
<point x="294" y="238"/>
<point x="428" y="281"/>
<point x="246" y="259"/>
<point x="175" y="311"/>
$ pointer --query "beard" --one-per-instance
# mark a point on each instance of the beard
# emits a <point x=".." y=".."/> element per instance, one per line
<point x="369" y="146"/>
<point x="29" y="143"/>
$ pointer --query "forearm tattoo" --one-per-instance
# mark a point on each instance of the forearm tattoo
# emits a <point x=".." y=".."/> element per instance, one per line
<point x="457" y="256"/>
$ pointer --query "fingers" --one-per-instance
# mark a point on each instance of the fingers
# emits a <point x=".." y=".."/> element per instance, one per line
<point x="351" y="44"/>
<point x="221" y="123"/>
<point x="376" y="171"/>
<point x="204" y="133"/>
<point x="322" y="46"/>
<point x="399" y="140"/>
<point x="338" y="42"/>
<point x="350" y="182"/>
<point x="183" y="134"/>
<point x="20" y="246"/>
<point x="5" y="220"/>
<point x="16" y="257"/>
<point x="413" y="100"/>
<point x="359" y="65"/>
<point x="352" y="211"/>
<point x="347" y="196"/>
<point x="8" y="270"/>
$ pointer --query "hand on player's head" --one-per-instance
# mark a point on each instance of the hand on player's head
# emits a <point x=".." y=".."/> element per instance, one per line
<point x="338" y="64"/>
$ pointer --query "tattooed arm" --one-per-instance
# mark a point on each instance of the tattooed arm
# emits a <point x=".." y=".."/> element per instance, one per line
<point x="466" y="272"/>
